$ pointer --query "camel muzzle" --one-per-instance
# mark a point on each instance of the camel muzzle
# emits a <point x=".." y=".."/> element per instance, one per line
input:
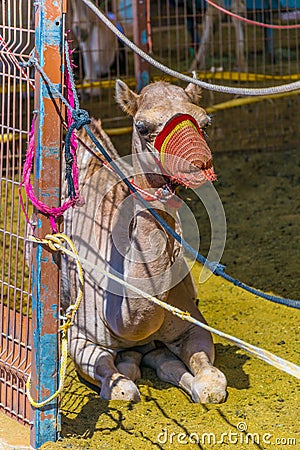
<point x="184" y="153"/>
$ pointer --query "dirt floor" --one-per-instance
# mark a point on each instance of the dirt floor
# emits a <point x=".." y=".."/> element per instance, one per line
<point x="13" y="435"/>
<point x="260" y="192"/>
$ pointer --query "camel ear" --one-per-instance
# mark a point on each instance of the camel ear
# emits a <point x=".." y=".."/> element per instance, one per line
<point x="126" y="98"/>
<point x="194" y="91"/>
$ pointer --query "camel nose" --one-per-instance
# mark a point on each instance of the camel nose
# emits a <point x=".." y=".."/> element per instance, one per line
<point x="184" y="153"/>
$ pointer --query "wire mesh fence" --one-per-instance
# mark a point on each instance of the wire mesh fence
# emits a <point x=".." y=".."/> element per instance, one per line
<point x="17" y="32"/>
<point x="187" y="35"/>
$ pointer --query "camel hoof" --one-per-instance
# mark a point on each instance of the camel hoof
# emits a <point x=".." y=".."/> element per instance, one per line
<point x="209" y="386"/>
<point x="119" y="387"/>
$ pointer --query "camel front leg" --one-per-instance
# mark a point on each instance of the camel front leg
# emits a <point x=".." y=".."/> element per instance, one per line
<point x="169" y="368"/>
<point x="239" y="7"/>
<point x="97" y="366"/>
<point x="193" y="345"/>
<point x="195" y="349"/>
<point x="208" y="24"/>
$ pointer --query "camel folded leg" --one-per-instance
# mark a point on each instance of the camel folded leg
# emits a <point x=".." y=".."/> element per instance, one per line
<point x="97" y="366"/>
<point x="169" y="368"/>
<point x="128" y="363"/>
<point x="193" y="348"/>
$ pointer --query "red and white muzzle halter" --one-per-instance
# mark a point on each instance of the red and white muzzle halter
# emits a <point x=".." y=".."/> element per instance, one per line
<point x="184" y="153"/>
<point x="184" y="158"/>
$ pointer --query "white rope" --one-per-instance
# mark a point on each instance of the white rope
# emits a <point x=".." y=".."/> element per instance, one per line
<point x="265" y="355"/>
<point x="173" y="73"/>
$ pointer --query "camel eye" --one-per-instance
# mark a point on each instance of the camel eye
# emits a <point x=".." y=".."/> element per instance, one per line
<point x="204" y="125"/>
<point x="142" y="128"/>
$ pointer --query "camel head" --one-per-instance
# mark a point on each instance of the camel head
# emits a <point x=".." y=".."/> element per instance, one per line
<point x="169" y="122"/>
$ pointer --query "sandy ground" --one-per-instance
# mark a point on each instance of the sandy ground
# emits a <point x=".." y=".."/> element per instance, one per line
<point x="260" y="193"/>
<point x="13" y="435"/>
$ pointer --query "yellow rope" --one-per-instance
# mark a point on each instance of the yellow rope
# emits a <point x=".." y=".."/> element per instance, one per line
<point x="62" y="376"/>
<point x="55" y="242"/>
<point x="207" y="75"/>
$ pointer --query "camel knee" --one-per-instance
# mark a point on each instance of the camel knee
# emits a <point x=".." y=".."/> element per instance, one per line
<point x="97" y="366"/>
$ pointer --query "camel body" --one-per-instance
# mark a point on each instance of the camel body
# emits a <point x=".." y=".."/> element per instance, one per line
<point x="115" y="330"/>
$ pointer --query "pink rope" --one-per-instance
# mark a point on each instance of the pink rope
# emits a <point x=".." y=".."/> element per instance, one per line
<point x="51" y="211"/>
<point x="252" y="22"/>
<point x="73" y="140"/>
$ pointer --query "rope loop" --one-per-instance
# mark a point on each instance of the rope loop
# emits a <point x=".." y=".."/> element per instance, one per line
<point x="56" y="243"/>
<point x="62" y="376"/>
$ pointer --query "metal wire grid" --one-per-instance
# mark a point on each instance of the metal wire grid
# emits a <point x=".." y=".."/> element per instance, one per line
<point x="16" y="28"/>
<point x="100" y="48"/>
<point x="177" y="31"/>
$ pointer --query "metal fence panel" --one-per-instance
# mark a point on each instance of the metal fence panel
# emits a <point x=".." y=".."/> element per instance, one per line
<point x="17" y="35"/>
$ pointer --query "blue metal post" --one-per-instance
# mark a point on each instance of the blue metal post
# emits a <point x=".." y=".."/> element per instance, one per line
<point x="45" y="277"/>
<point x="140" y="37"/>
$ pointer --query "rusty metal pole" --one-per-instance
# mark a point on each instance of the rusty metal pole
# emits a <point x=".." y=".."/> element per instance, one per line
<point x="140" y="38"/>
<point x="45" y="277"/>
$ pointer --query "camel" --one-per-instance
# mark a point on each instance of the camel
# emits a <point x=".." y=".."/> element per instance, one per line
<point x="210" y="17"/>
<point x="99" y="47"/>
<point x="115" y="331"/>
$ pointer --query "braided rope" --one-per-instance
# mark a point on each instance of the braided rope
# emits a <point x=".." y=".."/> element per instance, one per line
<point x="62" y="376"/>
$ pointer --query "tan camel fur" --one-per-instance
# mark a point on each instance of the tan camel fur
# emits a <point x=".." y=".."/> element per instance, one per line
<point x="116" y="331"/>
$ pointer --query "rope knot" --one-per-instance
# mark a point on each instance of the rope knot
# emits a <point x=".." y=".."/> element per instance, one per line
<point x="81" y="117"/>
<point x="215" y="267"/>
<point x="70" y="311"/>
<point x="32" y="61"/>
